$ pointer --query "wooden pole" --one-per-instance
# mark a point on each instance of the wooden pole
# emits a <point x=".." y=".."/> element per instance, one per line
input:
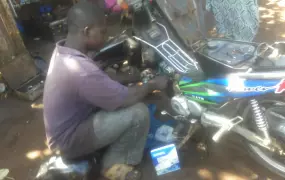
<point x="11" y="43"/>
<point x="16" y="64"/>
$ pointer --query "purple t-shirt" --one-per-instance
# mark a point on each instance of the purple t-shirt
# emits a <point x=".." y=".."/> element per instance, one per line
<point x="74" y="88"/>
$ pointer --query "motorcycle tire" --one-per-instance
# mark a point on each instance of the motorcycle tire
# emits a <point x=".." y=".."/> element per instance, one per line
<point x="257" y="153"/>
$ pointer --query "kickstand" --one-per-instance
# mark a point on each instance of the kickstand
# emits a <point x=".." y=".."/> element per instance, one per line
<point x="9" y="178"/>
<point x="4" y="174"/>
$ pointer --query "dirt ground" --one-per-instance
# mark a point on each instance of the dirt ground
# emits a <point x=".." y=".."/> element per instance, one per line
<point x="22" y="138"/>
<point x="22" y="149"/>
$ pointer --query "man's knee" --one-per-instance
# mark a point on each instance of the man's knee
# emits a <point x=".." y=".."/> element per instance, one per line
<point x="140" y="113"/>
<point x="140" y="109"/>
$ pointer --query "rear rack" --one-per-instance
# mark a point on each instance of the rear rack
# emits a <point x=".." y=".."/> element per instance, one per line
<point x="175" y="56"/>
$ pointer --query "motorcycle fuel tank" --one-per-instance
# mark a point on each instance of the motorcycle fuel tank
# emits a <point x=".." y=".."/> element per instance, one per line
<point x="218" y="57"/>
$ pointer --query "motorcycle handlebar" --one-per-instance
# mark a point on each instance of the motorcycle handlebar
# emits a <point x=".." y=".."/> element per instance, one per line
<point x="147" y="8"/>
<point x="141" y="4"/>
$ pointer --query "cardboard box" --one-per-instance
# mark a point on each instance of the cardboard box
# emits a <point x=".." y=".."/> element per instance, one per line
<point x="165" y="159"/>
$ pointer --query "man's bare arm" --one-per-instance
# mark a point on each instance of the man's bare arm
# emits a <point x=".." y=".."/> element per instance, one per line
<point x="137" y="93"/>
<point x="132" y="76"/>
<point x="124" y="78"/>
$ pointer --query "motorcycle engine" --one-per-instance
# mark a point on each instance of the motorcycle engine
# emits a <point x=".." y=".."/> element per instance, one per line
<point x="180" y="105"/>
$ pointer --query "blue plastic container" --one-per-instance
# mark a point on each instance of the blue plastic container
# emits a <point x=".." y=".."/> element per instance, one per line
<point x="154" y="125"/>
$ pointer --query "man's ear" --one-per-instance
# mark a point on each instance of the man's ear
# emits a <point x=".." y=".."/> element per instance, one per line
<point x="86" y="31"/>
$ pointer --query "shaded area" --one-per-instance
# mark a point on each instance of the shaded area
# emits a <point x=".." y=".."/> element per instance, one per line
<point x="272" y="21"/>
<point x="22" y="149"/>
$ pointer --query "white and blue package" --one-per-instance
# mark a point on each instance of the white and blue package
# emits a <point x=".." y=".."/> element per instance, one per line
<point x="165" y="159"/>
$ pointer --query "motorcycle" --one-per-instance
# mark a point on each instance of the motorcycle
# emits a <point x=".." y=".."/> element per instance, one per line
<point x="214" y="77"/>
<point x="228" y="85"/>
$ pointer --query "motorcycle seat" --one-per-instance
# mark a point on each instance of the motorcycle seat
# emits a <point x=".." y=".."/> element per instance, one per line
<point x="269" y="69"/>
<point x="268" y="65"/>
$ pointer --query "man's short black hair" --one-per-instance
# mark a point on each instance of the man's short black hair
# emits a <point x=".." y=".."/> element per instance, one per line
<point x="84" y="14"/>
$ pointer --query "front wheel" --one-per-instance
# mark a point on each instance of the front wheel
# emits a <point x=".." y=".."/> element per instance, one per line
<point x="275" y="115"/>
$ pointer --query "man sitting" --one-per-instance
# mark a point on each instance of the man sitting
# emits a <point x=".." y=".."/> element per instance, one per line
<point x="85" y="110"/>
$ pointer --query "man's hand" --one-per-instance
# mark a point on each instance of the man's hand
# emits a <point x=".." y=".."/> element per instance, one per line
<point x="131" y="76"/>
<point x="138" y="93"/>
<point x="135" y="74"/>
<point x="159" y="82"/>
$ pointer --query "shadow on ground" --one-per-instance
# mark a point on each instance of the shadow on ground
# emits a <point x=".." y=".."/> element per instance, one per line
<point x="22" y="149"/>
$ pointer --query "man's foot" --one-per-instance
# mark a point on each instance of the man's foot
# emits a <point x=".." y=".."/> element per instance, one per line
<point x="122" y="172"/>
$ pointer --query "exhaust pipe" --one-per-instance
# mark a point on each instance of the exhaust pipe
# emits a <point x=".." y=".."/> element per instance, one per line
<point x="211" y="119"/>
<point x="215" y="120"/>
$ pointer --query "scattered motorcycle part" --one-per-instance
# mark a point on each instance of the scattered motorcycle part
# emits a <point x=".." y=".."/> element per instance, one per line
<point x="260" y="119"/>
<point x="202" y="146"/>
<point x="4" y="174"/>
<point x="2" y="87"/>
<point x="166" y="68"/>
<point x="147" y="75"/>
<point x="132" y="44"/>
<point x="115" y="66"/>
<point x="37" y="106"/>
<point x="164" y="113"/>
<point x="148" y="57"/>
<point x="180" y="105"/>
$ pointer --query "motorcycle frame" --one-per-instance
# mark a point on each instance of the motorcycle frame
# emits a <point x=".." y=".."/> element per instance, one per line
<point x="212" y="119"/>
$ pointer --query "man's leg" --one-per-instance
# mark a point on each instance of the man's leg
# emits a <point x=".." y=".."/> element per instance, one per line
<point x="125" y="131"/>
